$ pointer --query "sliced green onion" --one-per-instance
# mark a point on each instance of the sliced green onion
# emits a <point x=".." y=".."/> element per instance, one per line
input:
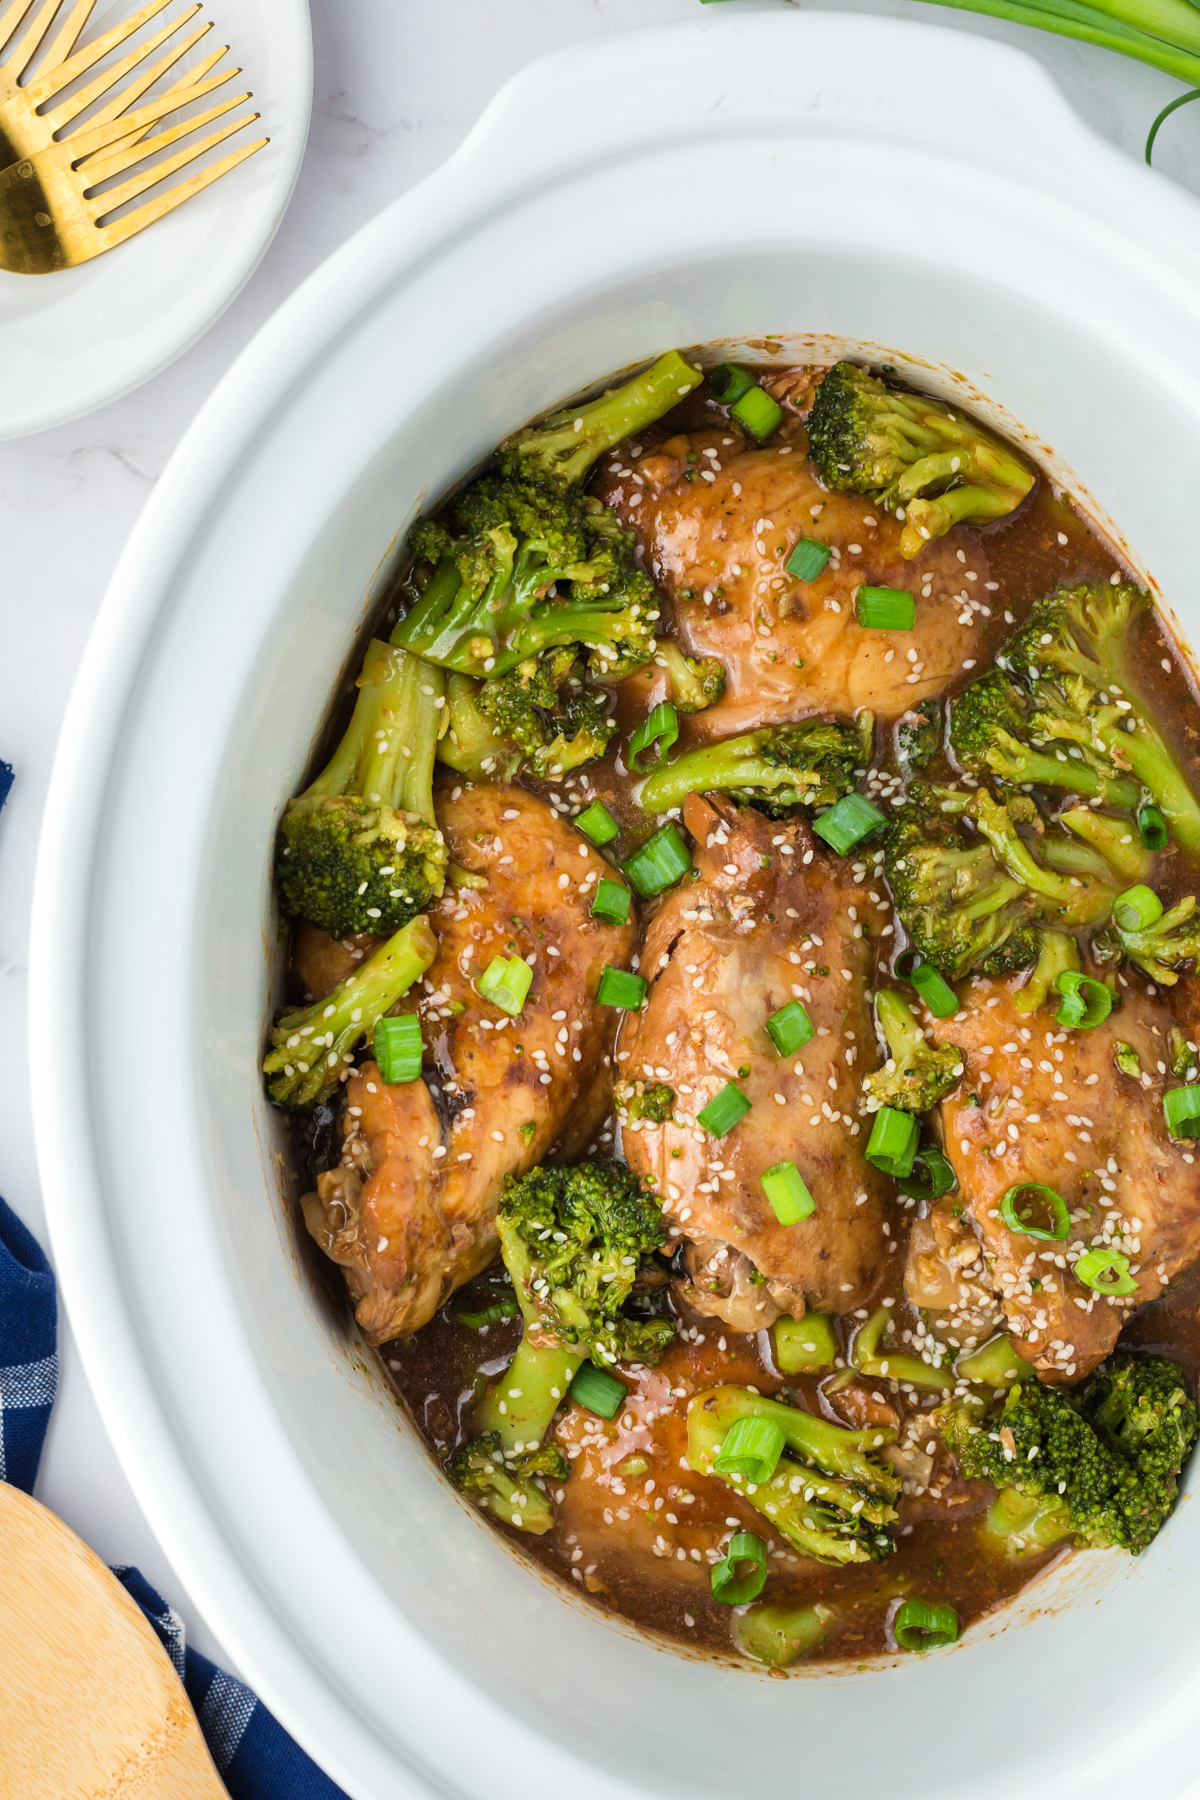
<point x="1036" y="1211"/>
<point x="1152" y="828"/>
<point x="597" y="823"/>
<point x="937" y="993"/>
<point x="612" y="903"/>
<point x="893" y="1142"/>
<point x="905" y="963"/>
<point x="847" y="823"/>
<point x="398" y="1048"/>
<point x="785" y="1188"/>
<point x="1086" y="1002"/>
<point x="789" y="1028"/>
<point x="1181" y="1108"/>
<point x="659" y="863"/>
<point x="938" y="1179"/>
<point x="807" y="560"/>
<point x="490" y="1315"/>
<point x="922" y="1625"/>
<point x="727" y="383"/>
<point x="724" y="1110"/>
<point x="599" y="1391"/>
<point x="1137" y="907"/>
<point x="752" y="1447"/>
<point x="1104" y="1273"/>
<point x="505" y="982"/>
<point x="660" y="727"/>
<point x="619" y="988"/>
<point x="758" y="412"/>
<point x="732" y="1588"/>
<point x="885" y="609"/>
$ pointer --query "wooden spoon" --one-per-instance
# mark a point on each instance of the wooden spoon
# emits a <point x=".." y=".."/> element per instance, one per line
<point x="90" y="1705"/>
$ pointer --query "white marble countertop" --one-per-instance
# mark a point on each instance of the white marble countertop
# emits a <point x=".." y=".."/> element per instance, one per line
<point x="398" y="84"/>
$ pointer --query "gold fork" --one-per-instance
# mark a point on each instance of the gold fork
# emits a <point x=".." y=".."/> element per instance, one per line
<point x="50" y="211"/>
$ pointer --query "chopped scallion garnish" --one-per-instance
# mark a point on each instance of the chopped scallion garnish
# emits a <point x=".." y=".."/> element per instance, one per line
<point x="885" y="609"/>
<point x="807" y="559"/>
<point x="727" y="383"/>
<point x="724" y="1110"/>
<point x="597" y="823"/>
<point x="731" y="1583"/>
<point x="934" y="990"/>
<point x="1104" y="1273"/>
<point x="398" y="1048"/>
<point x="847" y="823"/>
<point x="599" y="1391"/>
<point x="619" y="988"/>
<point x="505" y="982"/>
<point x="659" y="864"/>
<point x="1137" y="907"/>
<point x="893" y="1142"/>
<point x="785" y="1188"/>
<point x="1152" y="828"/>
<point x="923" y="1625"/>
<point x="661" y="728"/>
<point x="938" y="1177"/>
<point x="1086" y="1002"/>
<point x="612" y="903"/>
<point x="789" y="1028"/>
<point x="758" y="412"/>
<point x="1036" y="1211"/>
<point x="751" y="1447"/>
<point x="1181" y="1108"/>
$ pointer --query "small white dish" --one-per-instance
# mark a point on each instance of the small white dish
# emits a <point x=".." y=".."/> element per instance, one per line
<point x="860" y="186"/>
<point x="74" y="340"/>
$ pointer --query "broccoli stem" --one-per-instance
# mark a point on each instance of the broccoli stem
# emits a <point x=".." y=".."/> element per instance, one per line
<point x="387" y="751"/>
<point x="995" y="1364"/>
<point x="1116" y="840"/>
<point x="891" y="1365"/>
<point x="898" y="1023"/>
<point x="569" y="442"/>
<point x="521" y="1405"/>
<point x="1146" y="752"/>
<point x="1058" y="953"/>
<point x="1066" y="857"/>
<point x="470" y="745"/>
<point x="777" y="1635"/>
<point x="804" y="1345"/>
<point x="311" y="1047"/>
<point x="1075" y="902"/>
<point x="1019" y="1524"/>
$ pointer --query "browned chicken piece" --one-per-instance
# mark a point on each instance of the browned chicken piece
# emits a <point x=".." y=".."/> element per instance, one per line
<point x="1038" y="1104"/>
<point x="410" y="1213"/>
<point x="717" y="521"/>
<point x="947" y="1280"/>
<point x="770" y="919"/>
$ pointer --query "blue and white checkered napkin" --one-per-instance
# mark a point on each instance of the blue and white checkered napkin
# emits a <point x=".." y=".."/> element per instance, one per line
<point x="255" y="1757"/>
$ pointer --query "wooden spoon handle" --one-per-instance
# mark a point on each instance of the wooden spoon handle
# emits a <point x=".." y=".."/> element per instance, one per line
<point x="90" y="1705"/>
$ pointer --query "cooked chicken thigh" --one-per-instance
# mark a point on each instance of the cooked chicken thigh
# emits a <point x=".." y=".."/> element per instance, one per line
<point x="717" y="521"/>
<point x="410" y="1211"/>
<point x="770" y="919"/>
<point x="1038" y="1104"/>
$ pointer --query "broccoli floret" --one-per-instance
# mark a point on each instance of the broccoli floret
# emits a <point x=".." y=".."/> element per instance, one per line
<point x="652" y="1101"/>
<point x="919" y="736"/>
<point x="545" y="708"/>
<point x="1065" y="900"/>
<point x="915" y="456"/>
<point x="830" y="1496"/>
<point x="470" y="744"/>
<point x="1058" y="954"/>
<point x="696" y="682"/>
<point x="997" y="731"/>
<point x="1075" y="661"/>
<point x="1111" y="1449"/>
<point x="810" y="764"/>
<point x="312" y="1047"/>
<point x="563" y="448"/>
<point x="506" y="1485"/>
<point x="961" y="909"/>
<point x="1159" y="949"/>
<point x="359" y="850"/>
<point x="916" y="1075"/>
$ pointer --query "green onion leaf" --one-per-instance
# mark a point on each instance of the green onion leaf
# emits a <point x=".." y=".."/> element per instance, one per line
<point x="659" y="864"/>
<point x="789" y="1028"/>
<point x="612" y="903"/>
<point x="727" y="383"/>
<point x="937" y="993"/>
<point x="751" y="1447"/>
<point x="599" y="1391"/>
<point x="619" y="988"/>
<point x="807" y="559"/>
<point x="1104" y="1273"/>
<point x="505" y="982"/>
<point x="1036" y="1211"/>
<point x="885" y="609"/>
<point x="661" y="727"/>
<point x="398" y="1048"/>
<point x="758" y="412"/>
<point x="1086" y="1002"/>
<point x="724" y="1110"/>
<point x="1181" y="1108"/>
<point x="938" y="1179"/>
<point x="730" y="1584"/>
<point x="921" y="1625"/>
<point x="1152" y="828"/>
<point x="1137" y="907"/>
<point x="785" y="1188"/>
<point x="491" y="1315"/>
<point x="847" y="823"/>
<point x="597" y="823"/>
<point x="893" y="1143"/>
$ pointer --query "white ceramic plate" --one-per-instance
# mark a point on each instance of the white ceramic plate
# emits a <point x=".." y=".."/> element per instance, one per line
<point x="860" y="186"/>
<point x="74" y="340"/>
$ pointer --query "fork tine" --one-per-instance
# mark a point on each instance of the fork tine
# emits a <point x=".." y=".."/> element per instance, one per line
<point x="44" y="86"/>
<point x="11" y="15"/>
<point x="67" y="36"/>
<point x="108" y="135"/>
<point x="21" y="55"/>
<point x="110" y="235"/>
<point x="126" y="156"/>
<point x="78" y="103"/>
<point x="116" y="197"/>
